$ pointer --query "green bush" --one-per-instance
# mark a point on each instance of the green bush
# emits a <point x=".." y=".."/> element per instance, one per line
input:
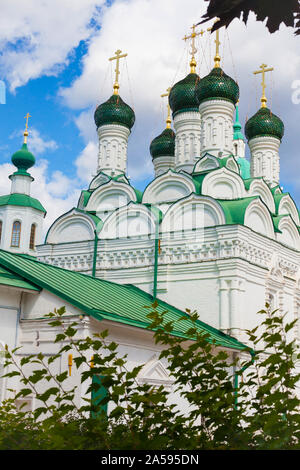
<point x="256" y="408"/>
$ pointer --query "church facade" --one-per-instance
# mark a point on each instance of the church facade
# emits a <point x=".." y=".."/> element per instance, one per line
<point x="213" y="232"/>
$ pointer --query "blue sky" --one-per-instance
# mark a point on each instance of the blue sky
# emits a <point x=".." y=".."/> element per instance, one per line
<point x="54" y="61"/>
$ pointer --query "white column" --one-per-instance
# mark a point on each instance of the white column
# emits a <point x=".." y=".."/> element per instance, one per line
<point x="20" y="184"/>
<point x="265" y="158"/>
<point x="224" y="305"/>
<point x="112" y="156"/>
<point x="187" y="140"/>
<point x="163" y="164"/>
<point x="216" y="127"/>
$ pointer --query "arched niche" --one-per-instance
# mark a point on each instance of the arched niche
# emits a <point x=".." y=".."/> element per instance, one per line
<point x="99" y="179"/>
<point x="130" y="221"/>
<point x="258" y="218"/>
<point x="223" y="184"/>
<point x="110" y="196"/>
<point x="287" y="206"/>
<point x="193" y="212"/>
<point x="168" y="187"/>
<point x="72" y="227"/>
<point x="206" y="163"/>
<point x="289" y="233"/>
<point x="259" y="187"/>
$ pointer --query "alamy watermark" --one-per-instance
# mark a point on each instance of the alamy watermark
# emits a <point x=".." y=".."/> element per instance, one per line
<point x="296" y="92"/>
<point x="2" y="92"/>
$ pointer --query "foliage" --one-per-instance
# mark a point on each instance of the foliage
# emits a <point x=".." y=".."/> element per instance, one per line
<point x="276" y="12"/>
<point x="258" y="411"/>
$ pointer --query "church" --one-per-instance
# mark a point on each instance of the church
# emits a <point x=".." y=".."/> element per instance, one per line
<point x="213" y="232"/>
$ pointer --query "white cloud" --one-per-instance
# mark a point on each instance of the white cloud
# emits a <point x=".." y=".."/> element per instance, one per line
<point x="36" y="38"/>
<point x="86" y="162"/>
<point x="38" y="145"/>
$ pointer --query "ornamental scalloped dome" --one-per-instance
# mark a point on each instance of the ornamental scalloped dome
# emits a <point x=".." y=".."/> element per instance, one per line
<point x="217" y="85"/>
<point x="114" y="111"/>
<point x="163" y="144"/>
<point x="264" y="123"/>
<point x="182" y="95"/>
<point x="23" y="159"/>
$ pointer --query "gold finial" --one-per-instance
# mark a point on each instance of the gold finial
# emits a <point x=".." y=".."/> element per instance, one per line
<point x="263" y="83"/>
<point x="117" y="57"/>
<point x="168" y="120"/>
<point x="70" y="363"/>
<point x="26" y="128"/>
<point x="193" y="62"/>
<point x="217" y="57"/>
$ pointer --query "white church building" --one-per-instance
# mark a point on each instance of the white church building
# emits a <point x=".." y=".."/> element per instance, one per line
<point x="212" y="232"/>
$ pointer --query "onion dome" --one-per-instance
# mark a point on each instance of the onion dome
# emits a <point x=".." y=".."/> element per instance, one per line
<point x="23" y="159"/>
<point x="264" y="123"/>
<point x="163" y="144"/>
<point x="217" y="85"/>
<point x="114" y="111"/>
<point x="182" y="95"/>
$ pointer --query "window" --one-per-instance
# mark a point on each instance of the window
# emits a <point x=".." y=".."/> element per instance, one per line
<point x="0" y="230"/>
<point x="16" y="234"/>
<point x="32" y="237"/>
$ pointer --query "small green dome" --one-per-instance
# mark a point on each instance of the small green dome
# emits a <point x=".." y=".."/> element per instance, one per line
<point x="264" y="123"/>
<point x="23" y="159"/>
<point x="217" y="85"/>
<point x="163" y="144"/>
<point x="182" y="95"/>
<point x="114" y="111"/>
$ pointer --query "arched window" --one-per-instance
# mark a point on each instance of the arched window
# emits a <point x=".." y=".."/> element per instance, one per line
<point x="16" y="234"/>
<point x="32" y="237"/>
<point x="0" y="230"/>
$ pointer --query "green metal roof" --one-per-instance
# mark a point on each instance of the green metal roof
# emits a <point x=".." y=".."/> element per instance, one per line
<point x="103" y="299"/>
<point x="235" y="209"/>
<point x="21" y="200"/>
<point x="244" y="165"/>
<point x="10" y="279"/>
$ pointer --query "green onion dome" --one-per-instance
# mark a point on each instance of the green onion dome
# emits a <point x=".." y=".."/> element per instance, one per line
<point x="114" y="111"/>
<point x="264" y="123"/>
<point x="217" y="85"/>
<point x="182" y="95"/>
<point x="163" y="144"/>
<point x="23" y="159"/>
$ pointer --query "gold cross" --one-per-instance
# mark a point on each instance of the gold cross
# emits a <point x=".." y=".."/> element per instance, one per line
<point x="193" y="62"/>
<point x="168" y="120"/>
<point x="26" y="128"/>
<point x="117" y="57"/>
<point x="263" y="83"/>
<point x="217" y="58"/>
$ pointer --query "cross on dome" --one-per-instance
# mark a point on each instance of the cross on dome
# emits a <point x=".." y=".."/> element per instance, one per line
<point x="26" y="128"/>
<point x="168" y="120"/>
<point x="117" y="57"/>
<point x="263" y="70"/>
<point x="192" y="36"/>
<point x="217" y="57"/>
